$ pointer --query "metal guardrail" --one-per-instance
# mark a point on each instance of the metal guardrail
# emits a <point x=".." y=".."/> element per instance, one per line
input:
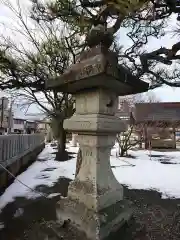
<point x="16" y="146"/>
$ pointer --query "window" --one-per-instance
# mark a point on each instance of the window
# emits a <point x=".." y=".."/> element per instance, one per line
<point x="18" y="121"/>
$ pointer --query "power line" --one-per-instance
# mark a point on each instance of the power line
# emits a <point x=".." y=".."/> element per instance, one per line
<point x="33" y="190"/>
<point x="41" y="194"/>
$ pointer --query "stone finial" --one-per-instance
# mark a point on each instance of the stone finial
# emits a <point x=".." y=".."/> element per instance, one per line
<point x="99" y="36"/>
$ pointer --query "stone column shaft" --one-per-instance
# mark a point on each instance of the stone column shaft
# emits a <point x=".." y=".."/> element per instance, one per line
<point x="91" y="187"/>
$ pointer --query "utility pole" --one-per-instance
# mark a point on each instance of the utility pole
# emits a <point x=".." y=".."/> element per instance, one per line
<point x="2" y="112"/>
<point x="10" y="118"/>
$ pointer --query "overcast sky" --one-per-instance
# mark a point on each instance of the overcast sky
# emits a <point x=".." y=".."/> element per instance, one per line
<point x="163" y="93"/>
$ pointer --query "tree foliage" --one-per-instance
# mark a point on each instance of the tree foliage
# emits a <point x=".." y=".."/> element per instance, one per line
<point x="61" y="29"/>
<point x="56" y="50"/>
<point x="143" y="19"/>
<point x="45" y="53"/>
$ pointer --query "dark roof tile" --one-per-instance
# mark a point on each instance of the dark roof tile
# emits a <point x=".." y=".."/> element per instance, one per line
<point x="166" y="111"/>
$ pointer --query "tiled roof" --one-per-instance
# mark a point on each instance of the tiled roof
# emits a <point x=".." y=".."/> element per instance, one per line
<point x="163" y="111"/>
<point x="20" y="113"/>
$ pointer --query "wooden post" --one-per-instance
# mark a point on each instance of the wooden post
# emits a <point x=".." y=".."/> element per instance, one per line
<point x="174" y="137"/>
<point x="146" y="137"/>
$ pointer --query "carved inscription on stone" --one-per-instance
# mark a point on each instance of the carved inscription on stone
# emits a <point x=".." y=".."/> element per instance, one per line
<point x="84" y="125"/>
<point x="87" y="140"/>
<point x="87" y="152"/>
<point x="90" y="70"/>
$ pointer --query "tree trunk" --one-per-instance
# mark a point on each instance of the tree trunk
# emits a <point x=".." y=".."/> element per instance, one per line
<point x="140" y="140"/>
<point x="174" y="137"/>
<point x="61" y="141"/>
<point x="123" y="152"/>
<point x="60" y="136"/>
<point x="146" y="142"/>
<point x="62" y="154"/>
<point x="78" y="162"/>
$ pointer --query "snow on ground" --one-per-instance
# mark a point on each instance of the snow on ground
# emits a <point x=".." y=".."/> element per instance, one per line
<point x="149" y="173"/>
<point x="38" y="174"/>
<point x="19" y="212"/>
<point x="139" y="172"/>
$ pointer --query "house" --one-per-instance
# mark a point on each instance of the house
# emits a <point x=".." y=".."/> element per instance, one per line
<point x="43" y="126"/>
<point x="126" y="106"/>
<point x="158" y="123"/>
<point x="30" y="121"/>
<point x="30" y="126"/>
<point x="19" y="125"/>
<point x="124" y="110"/>
<point x="14" y="120"/>
<point x="161" y="113"/>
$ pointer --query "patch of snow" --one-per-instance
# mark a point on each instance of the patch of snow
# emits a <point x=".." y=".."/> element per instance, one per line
<point x="46" y="154"/>
<point x="71" y="149"/>
<point x="150" y="174"/>
<point x="19" y="212"/>
<point x="53" y="195"/>
<point x="31" y="177"/>
<point x="139" y="172"/>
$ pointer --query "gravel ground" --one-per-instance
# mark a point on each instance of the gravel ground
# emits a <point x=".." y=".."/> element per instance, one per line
<point x="154" y="218"/>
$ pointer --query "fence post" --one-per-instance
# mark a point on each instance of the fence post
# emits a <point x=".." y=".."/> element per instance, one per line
<point x="1" y="149"/>
<point x="15" y="145"/>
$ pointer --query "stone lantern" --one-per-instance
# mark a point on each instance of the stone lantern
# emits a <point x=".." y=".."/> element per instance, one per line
<point x="95" y="203"/>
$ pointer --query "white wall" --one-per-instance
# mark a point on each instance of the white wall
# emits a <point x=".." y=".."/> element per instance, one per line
<point x="19" y="126"/>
